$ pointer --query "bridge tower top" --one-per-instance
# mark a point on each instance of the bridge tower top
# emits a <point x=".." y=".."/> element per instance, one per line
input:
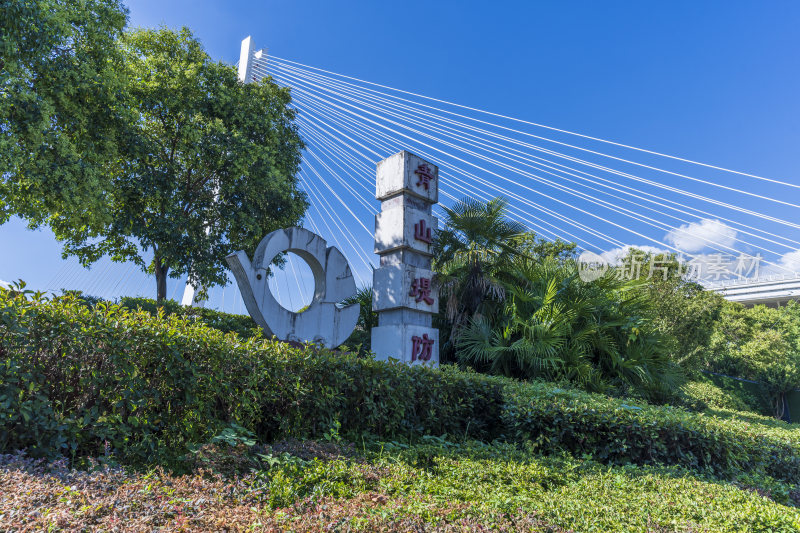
<point x="246" y="55"/>
<point x="246" y="60"/>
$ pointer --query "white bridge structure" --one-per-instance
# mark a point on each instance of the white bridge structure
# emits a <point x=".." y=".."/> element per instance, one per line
<point x="771" y="290"/>
<point x="601" y="194"/>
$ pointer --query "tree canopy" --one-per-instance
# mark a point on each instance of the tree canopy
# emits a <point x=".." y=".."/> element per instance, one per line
<point x="207" y="167"/>
<point x="60" y="88"/>
<point x="759" y="343"/>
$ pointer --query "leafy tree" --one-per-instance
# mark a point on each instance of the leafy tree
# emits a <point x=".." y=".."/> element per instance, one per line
<point x="60" y="86"/>
<point x="762" y="344"/>
<point x="516" y="306"/>
<point x="209" y="166"/>
<point x="683" y="311"/>
<point x="531" y="245"/>
<point x="476" y="245"/>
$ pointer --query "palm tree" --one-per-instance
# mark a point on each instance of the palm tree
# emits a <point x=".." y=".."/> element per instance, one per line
<point x="367" y="319"/>
<point x="477" y="241"/>
<point x="554" y="326"/>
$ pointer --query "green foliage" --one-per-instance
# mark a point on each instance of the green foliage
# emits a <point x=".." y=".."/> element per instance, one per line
<point x="762" y="344"/>
<point x="477" y="244"/>
<point x="478" y="483"/>
<point x="60" y="111"/>
<point x="242" y="325"/>
<point x="153" y="387"/>
<point x="515" y="306"/>
<point x="529" y="244"/>
<point x="683" y="311"/>
<point x="616" y="431"/>
<point x="476" y="241"/>
<point x="685" y="314"/>
<point x="553" y="325"/>
<point x="208" y="166"/>
<point x="437" y="484"/>
<point x="701" y="395"/>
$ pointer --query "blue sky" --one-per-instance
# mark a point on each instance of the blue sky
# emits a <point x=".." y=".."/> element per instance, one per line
<point x="710" y="81"/>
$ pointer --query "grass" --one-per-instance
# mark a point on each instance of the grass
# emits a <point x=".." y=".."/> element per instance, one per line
<point x="434" y="485"/>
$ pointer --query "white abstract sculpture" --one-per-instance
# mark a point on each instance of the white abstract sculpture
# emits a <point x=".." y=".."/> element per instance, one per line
<point x="324" y="322"/>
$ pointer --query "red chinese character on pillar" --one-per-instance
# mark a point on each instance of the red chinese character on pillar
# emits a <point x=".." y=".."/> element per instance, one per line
<point x="421" y="348"/>
<point x="425" y="175"/>
<point x="421" y="290"/>
<point x="421" y="232"/>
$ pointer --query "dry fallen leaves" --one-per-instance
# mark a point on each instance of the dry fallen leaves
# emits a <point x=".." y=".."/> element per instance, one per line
<point x="40" y="496"/>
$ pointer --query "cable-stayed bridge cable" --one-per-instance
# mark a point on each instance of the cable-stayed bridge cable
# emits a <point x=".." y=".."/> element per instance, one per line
<point x="316" y="95"/>
<point x="651" y="152"/>
<point x="526" y="159"/>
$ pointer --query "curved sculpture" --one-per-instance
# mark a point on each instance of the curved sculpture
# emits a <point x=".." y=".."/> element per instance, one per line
<point x="324" y="322"/>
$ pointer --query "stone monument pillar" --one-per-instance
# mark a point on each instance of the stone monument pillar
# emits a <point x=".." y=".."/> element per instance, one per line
<point x="402" y="291"/>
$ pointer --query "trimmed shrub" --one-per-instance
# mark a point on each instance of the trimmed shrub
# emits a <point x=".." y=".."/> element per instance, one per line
<point x="150" y="387"/>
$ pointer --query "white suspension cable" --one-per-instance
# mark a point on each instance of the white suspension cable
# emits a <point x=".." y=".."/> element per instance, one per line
<point x="528" y="159"/>
<point x="344" y="204"/>
<point x="607" y="204"/>
<point x="332" y="214"/>
<point x="502" y="177"/>
<point x="639" y="179"/>
<point x="555" y="214"/>
<point x="574" y="207"/>
<point x="621" y="145"/>
<point x="328" y="149"/>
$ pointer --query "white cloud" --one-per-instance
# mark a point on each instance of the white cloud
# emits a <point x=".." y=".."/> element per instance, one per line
<point x="791" y="261"/>
<point x="5" y="284"/>
<point x="787" y="264"/>
<point x="698" y="235"/>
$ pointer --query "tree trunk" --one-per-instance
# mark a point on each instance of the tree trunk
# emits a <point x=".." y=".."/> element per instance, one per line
<point x="780" y="406"/>
<point x="161" y="279"/>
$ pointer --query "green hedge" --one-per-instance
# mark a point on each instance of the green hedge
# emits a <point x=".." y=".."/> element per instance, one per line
<point x="79" y="380"/>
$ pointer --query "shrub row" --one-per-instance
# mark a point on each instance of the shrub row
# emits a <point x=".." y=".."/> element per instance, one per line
<point x="87" y="380"/>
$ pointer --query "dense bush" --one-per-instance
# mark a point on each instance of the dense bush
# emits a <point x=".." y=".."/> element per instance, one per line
<point x="75" y="378"/>
<point x="555" y="326"/>
<point x="514" y="305"/>
<point x="242" y="325"/>
<point x="761" y="344"/>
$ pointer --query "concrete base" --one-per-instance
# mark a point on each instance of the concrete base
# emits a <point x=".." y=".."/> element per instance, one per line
<point x="397" y="342"/>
